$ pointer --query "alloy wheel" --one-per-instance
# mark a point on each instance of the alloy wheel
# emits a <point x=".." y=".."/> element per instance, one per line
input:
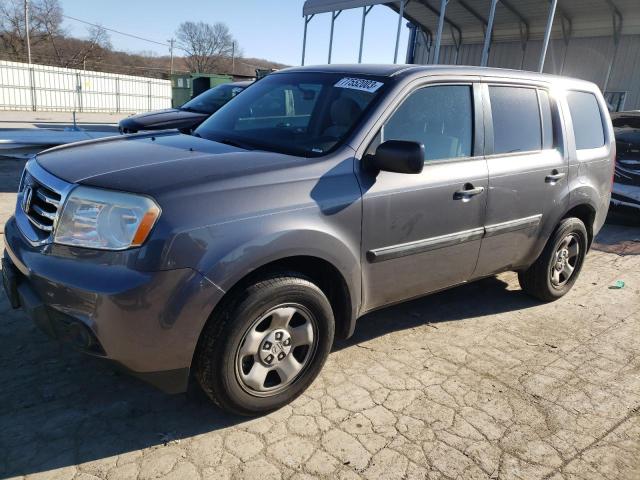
<point x="565" y="260"/>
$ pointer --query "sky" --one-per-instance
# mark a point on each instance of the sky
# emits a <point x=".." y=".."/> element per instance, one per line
<point x="269" y="29"/>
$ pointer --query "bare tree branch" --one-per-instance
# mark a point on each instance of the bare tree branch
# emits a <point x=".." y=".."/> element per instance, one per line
<point x="204" y="44"/>
<point x="92" y="49"/>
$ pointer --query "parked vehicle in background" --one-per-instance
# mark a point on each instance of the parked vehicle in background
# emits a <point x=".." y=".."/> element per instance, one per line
<point x="318" y="195"/>
<point x="187" y="117"/>
<point x="626" y="187"/>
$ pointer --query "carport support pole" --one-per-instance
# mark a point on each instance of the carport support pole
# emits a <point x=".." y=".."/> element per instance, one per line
<point x="488" y="33"/>
<point x="400" y="17"/>
<point x="307" y="19"/>
<point x="365" y="12"/>
<point x="436" y="54"/>
<point x="547" y="34"/>
<point x="617" y="31"/>
<point x="334" y="15"/>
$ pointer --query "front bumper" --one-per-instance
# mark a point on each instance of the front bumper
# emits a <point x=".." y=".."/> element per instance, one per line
<point x="147" y="322"/>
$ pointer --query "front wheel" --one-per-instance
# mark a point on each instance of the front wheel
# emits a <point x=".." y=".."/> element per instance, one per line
<point x="266" y="344"/>
<point x="557" y="268"/>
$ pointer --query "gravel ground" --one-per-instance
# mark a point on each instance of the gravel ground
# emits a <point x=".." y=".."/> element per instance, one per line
<point x="476" y="382"/>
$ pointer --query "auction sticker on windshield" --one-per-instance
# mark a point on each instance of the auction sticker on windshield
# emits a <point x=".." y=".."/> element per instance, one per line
<point x="359" y="84"/>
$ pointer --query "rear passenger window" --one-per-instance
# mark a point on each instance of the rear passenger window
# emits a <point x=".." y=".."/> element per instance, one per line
<point x="516" y="119"/>
<point x="440" y="117"/>
<point x="587" y="123"/>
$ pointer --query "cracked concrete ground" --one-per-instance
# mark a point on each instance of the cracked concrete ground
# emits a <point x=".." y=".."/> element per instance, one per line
<point x="477" y="382"/>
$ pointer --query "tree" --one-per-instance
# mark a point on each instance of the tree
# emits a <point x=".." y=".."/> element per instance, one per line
<point x="45" y="20"/>
<point x="204" y="44"/>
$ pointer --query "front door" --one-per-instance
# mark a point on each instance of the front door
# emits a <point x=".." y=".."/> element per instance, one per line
<point x="527" y="174"/>
<point x="422" y="232"/>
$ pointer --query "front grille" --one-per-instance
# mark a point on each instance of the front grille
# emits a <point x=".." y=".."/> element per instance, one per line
<point x="40" y="204"/>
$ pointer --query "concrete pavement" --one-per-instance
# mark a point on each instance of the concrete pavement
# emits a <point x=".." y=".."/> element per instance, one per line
<point x="28" y="119"/>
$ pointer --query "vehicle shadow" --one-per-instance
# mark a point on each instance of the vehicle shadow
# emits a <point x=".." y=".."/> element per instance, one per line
<point x="59" y="408"/>
<point x="485" y="297"/>
<point x="89" y="127"/>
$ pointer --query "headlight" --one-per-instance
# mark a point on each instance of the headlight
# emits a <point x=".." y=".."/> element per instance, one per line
<point x="105" y="220"/>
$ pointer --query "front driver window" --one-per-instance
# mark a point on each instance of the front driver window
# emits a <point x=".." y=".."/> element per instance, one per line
<point x="440" y="117"/>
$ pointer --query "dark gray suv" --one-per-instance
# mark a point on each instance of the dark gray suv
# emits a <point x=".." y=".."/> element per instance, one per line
<point x="238" y="254"/>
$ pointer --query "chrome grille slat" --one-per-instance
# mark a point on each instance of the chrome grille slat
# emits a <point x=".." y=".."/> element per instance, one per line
<point x="50" y="200"/>
<point x="44" y="228"/>
<point x="43" y="213"/>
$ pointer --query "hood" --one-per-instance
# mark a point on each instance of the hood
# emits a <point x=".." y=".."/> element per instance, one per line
<point x="169" y="118"/>
<point x="152" y="164"/>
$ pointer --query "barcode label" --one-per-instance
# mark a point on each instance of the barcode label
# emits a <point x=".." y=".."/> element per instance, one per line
<point x="359" y="84"/>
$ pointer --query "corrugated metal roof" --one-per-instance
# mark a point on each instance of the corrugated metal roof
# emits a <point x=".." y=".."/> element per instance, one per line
<point x="588" y="17"/>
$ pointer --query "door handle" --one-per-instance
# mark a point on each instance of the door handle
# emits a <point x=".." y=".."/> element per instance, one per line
<point x="467" y="192"/>
<point x="554" y="177"/>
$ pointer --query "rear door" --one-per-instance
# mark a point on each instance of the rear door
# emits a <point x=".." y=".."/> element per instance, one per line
<point x="527" y="173"/>
<point x="421" y="232"/>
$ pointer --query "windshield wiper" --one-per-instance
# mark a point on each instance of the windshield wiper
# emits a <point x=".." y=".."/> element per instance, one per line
<point x="191" y="109"/>
<point x="234" y="143"/>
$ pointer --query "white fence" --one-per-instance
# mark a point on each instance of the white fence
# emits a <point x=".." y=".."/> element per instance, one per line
<point x="55" y="89"/>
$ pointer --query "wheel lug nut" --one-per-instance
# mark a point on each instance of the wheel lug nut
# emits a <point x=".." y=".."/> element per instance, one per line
<point x="266" y="345"/>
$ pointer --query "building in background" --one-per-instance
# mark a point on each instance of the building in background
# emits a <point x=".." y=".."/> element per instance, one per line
<point x="596" y="40"/>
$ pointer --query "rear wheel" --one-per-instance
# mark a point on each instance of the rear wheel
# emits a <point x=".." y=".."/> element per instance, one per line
<point x="556" y="270"/>
<point x="266" y="345"/>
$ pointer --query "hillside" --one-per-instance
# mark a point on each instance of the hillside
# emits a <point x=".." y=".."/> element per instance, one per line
<point x="74" y="53"/>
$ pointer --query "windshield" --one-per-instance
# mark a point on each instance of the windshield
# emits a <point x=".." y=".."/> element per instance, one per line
<point x="304" y="114"/>
<point x="214" y="98"/>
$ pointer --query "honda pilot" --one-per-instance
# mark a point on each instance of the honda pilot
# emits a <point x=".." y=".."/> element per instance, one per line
<point x="237" y="255"/>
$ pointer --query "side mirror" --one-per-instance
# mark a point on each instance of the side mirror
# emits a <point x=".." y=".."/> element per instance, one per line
<point x="397" y="156"/>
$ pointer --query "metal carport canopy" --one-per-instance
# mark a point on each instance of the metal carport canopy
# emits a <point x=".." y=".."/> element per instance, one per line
<point x="311" y="7"/>
<point x="469" y="21"/>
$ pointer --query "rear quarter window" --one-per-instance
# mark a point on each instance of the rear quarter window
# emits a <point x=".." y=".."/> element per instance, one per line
<point x="586" y="119"/>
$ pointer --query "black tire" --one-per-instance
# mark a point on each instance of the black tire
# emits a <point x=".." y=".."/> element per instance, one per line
<point x="217" y="357"/>
<point x="538" y="279"/>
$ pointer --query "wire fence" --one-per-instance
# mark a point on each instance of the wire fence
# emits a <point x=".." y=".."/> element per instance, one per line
<point x="55" y="89"/>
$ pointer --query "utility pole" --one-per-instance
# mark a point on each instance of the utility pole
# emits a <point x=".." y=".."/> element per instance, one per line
<point x="233" y="57"/>
<point x="171" y="42"/>
<point x="26" y="29"/>
<point x="31" y="76"/>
